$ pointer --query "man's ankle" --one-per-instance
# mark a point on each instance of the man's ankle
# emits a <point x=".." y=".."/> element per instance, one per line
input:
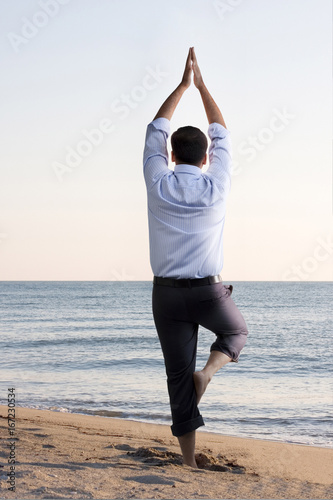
<point x="208" y="374"/>
<point x="191" y="464"/>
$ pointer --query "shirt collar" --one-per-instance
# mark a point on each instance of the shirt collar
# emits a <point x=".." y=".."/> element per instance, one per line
<point x="188" y="169"/>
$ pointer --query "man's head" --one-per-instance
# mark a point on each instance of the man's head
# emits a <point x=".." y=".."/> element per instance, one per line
<point x="189" y="145"/>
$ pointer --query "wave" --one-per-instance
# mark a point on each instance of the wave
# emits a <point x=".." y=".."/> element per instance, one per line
<point x="34" y="344"/>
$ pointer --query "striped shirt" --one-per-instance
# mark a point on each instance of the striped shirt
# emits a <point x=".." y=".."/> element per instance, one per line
<point x="186" y="207"/>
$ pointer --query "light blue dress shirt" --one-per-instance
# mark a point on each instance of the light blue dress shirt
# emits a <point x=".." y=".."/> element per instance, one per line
<point x="186" y="207"/>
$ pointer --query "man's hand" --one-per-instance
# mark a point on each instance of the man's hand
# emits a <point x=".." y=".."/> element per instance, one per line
<point x="186" y="80"/>
<point x="168" y="107"/>
<point x="198" y="81"/>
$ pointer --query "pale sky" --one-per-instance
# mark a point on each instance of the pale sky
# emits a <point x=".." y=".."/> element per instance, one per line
<point x="72" y="199"/>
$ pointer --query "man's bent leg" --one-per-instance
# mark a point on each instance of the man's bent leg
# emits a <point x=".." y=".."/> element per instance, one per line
<point x="202" y="378"/>
<point x="217" y="312"/>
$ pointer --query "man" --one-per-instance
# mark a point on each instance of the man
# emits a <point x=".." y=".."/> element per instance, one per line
<point x="186" y="210"/>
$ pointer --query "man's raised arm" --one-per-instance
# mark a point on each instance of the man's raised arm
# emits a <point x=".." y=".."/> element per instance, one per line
<point x="168" y="107"/>
<point x="220" y="147"/>
<point x="213" y="112"/>
<point x="155" y="156"/>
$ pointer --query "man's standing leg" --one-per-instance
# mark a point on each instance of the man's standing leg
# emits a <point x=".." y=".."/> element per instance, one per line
<point x="178" y="338"/>
<point x="187" y="445"/>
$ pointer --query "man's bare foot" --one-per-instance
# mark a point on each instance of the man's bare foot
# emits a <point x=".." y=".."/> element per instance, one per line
<point x="191" y="464"/>
<point x="201" y="380"/>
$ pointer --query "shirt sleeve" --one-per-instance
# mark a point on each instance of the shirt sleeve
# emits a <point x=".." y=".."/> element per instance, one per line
<point x="155" y="156"/>
<point x="220" y="162"/>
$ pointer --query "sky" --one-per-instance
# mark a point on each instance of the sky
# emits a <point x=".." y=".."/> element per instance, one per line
<point x="80" y="81"/>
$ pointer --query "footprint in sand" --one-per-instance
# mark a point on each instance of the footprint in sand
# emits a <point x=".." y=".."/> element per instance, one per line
<point x="160" y="457"/>
<point x="124" y="447"/>
<point x="150" y="479"/>
<point x="153" y="456"/>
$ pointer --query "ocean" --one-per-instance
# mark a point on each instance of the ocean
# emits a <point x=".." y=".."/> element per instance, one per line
<point x="92" y="348"/>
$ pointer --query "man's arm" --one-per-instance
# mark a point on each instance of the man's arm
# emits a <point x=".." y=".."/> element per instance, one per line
<point x="168" y="107"/>
<point x="213" y="112"/>
<point x="220" y="147"/>
<point x="155" y="156"/>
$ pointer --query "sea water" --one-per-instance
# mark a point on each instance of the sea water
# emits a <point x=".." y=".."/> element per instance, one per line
<point x="92" y="348"/>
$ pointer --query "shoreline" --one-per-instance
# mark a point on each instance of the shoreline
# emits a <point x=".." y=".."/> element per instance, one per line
<point x="71" y="455"/>
<point x="200" y="429"/>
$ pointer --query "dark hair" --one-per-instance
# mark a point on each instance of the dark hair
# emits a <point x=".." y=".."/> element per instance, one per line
<point x="189" y="145"/>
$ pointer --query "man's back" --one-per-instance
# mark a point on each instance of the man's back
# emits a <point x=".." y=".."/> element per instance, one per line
<point x="186" y="208"/>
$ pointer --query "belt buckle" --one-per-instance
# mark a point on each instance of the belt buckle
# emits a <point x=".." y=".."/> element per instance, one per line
<point x="214" y="279"/>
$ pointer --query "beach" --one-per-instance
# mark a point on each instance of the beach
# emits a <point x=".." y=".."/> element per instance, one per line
<point x="92" y="348"/>
<point x="67" y="455"/>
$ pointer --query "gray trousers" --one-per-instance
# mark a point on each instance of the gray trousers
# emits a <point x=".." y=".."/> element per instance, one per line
<point x="178" y="312"/>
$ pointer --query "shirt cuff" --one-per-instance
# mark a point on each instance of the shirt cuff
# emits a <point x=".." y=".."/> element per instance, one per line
<point x="162" y="124"/>
<point x="217" y="130"/>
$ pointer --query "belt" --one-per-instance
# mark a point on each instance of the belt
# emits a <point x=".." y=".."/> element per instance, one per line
<point x="187" y="282"/>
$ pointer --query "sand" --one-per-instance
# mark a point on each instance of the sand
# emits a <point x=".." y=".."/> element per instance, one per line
<point x="65" y="455"/>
